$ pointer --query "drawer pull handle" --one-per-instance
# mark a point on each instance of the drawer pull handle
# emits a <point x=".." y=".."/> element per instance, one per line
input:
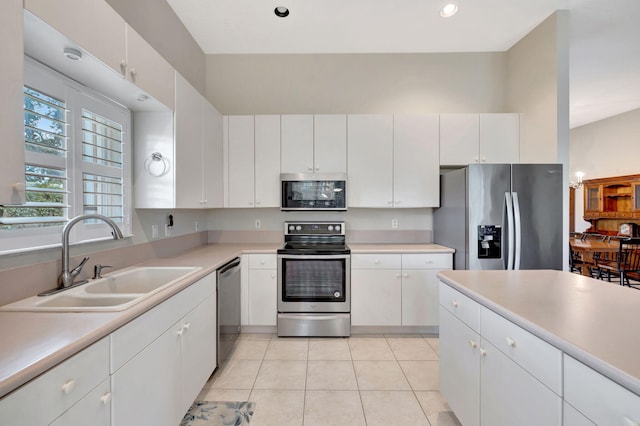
<point x="629" y="422"/>
<point x="511" y="342"/>
<point x="454" y="303"/>
<point x="68" y="387"/>
<point x="483" y="352"/>
<point x="473" y="344"/>
<point x="106" y="398"/>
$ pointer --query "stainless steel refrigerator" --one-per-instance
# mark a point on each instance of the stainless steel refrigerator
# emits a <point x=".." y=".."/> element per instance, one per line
<point x="502" y="216"/>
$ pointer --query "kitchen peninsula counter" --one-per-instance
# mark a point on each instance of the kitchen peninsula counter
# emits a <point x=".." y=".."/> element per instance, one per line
<point x="592" y="321"/>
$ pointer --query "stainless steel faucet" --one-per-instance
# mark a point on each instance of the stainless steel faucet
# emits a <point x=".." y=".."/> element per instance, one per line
<point x="66" y="277"/>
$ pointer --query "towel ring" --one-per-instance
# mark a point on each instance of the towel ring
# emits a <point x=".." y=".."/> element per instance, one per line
<point x="156" y="165"/>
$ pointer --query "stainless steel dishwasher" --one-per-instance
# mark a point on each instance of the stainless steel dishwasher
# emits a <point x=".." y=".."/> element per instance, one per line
<point x="228" y="293"/>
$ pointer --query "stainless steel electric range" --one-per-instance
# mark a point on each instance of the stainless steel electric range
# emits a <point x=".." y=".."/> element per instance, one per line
<point x="314" y="280"/>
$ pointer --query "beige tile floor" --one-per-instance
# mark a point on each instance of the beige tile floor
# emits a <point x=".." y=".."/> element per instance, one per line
<point x="361" y="380"/>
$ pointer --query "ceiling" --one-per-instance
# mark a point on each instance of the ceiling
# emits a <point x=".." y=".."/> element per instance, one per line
<point x="604" y="35"/>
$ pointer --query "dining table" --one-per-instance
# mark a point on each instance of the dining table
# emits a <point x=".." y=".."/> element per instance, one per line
<point x="587" y="248"/>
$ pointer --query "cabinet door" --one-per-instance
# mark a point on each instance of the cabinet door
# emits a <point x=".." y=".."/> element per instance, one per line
<point x="212" y="156"/>
<point x="94" y="409"/>
<point x="267" y="161"/>
<point x="370" y="160"/>
<point x="188" y="145"/>
<point x="297" y="144"/>
<point x="376" y="297"/>
<point x="148" y="70"/>
<point x="240" y="150"/>
<point x="459" y="139"/>
<point x="416" y="161"/>
<point x="198" y="350"/>
<point x="263" y="297"/>
<point x="572" y="417"/>
<point x="146" y="390"/>
<point x="593" y="198"/>
<point x="460" y="368"/>
<point x="512" y="396"/>
<point x="420" y="297"/>
<point x="92" y="24"/>
<point x="11" y="111"/>
<point x="330" y="143"/>
<point x="499" y="138"/>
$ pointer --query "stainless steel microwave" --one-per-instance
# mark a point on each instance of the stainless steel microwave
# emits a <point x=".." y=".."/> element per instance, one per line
<point x="317" y="191"/>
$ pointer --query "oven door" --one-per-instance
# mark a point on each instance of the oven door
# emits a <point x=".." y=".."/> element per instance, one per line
<point x="314" y="283"/>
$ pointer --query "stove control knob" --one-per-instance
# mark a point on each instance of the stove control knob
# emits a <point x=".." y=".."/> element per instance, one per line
<point x="291" y="228"/>
<point x="336" y="294"/>
<point x="330" y="227"/>
<point x="337" y="228"/>
<point x="298" y="228"/>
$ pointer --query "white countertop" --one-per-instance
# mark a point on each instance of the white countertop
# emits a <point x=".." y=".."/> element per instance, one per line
<point x="593" y="321"/>
<point x="33" y="342"/>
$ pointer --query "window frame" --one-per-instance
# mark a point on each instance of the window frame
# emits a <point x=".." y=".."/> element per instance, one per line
<point x="43" y="79"/>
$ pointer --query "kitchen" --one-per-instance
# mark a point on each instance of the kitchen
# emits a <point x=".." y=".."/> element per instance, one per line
<point x="237" y="224"/>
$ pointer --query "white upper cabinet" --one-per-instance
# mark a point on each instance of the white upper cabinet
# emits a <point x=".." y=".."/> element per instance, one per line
<point x="393" y="161"/>
<point x="99" y="30"/>
<point x="314" y="143"/>
<point x="212" y="156"/>
<point x="240" y="157"/>
<point x="416" y="164"/>
<point x="370" y="160"/>
<point x="11" y="110"/>
<point x="267" y="161"/>
<point x="479" y="138"/>
<point x="500" y="138"/>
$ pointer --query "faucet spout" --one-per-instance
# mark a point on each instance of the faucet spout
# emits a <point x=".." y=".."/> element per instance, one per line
<point x="66" y="277"/>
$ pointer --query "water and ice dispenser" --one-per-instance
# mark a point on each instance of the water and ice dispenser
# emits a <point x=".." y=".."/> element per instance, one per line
<point x="489" y="241"/>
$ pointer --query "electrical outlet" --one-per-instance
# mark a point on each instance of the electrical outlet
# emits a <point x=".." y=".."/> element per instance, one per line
<point x="196" y="226"/>
<point x="394" y="223"/>
<point x="167" y="230"/>
<point x="258" y="224"/>
<point x="154" y="231"/>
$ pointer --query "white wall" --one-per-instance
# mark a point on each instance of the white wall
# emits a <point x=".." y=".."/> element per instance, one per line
<point x="609" y="147"/>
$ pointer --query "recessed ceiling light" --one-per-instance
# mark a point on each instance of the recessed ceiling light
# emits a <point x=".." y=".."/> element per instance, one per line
<point x="281" y="11"/>
<point x="73" y="54"/>
<point x="449" y="10"/>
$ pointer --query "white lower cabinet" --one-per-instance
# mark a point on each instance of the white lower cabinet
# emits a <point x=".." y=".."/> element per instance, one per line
<point x="572" y="417"/>
<point x="493" y="372"/>
<point x="66" y="390"/>
<point x="260" y="288"/>
<point x="599" y="399"/>
<point x="161" y="359"/>
<point x="396" y="289"/>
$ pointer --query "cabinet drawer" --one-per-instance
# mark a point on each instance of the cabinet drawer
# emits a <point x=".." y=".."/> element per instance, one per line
<point x="467" y="310"/>
<point x="600" y="399"/>
<point x="376" y="261"/>
<point x="263" y="261"/>
<point x="538" y="357"/>
<point x="130" y="339"/>
<point x="43" y="399"/>
<point x="427" y="261"/>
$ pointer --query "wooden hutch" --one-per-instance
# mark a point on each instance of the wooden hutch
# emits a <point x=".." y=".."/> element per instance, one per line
<point x="611" y="202"/>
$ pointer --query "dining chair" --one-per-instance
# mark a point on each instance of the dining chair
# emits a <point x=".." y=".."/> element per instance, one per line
<point x="623" y="265"/>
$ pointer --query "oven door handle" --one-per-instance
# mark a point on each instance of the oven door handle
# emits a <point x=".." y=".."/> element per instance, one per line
<point x="314" y="256"/>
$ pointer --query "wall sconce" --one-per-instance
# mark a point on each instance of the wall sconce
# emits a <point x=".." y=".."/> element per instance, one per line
<point x="578" y="184"/>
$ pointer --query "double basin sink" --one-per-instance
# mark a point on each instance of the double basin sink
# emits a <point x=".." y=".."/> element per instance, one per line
<point x="114" y="292"/>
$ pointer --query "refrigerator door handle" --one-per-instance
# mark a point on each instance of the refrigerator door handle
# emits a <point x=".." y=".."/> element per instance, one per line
<point x="510" y="242"/>
<point x="518" y="230"/>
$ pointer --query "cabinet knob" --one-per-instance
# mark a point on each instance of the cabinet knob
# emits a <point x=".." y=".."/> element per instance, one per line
<point x="186" y="326"/>
<point x="123" y="66"/>
<point x="273" y="275"/>
<point x="405" y="275"/>
<point x="317" y="169"/>
<point x="475" y="159"/>
<point x="398" y="275"/>
<point x="397" y="201"/>
<point x="428" y="262"/>
<point x="390" y="202"/>
<point x="257" y="203"/>
<point x="511" y="342"/>
<point x="454" y="303"/>
<point x="106" y="398"/>
<point x="180" y="332"/>
<point x="483" y="352"/>
<point x="262" y="262"/>
<point x="310" y="169"/>
<point x="133" y="72"/>
<point x="68" y="387"/>
<point x="250" y="203"/>
<point x="473" y="344"/>
<point x="484" y="159"/>
<point x="376" y="262"/>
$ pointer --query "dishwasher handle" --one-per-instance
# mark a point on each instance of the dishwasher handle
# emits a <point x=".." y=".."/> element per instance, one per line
<point x="228" y="266"/>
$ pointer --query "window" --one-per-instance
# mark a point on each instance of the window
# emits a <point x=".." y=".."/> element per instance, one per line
<point x="77" y="161"/>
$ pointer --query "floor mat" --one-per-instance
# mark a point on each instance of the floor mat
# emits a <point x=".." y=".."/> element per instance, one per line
<point x="217" y="413"/>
